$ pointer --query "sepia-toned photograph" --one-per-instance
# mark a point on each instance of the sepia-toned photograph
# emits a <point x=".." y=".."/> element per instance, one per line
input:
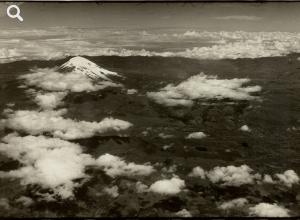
<point x="149" y="109"/>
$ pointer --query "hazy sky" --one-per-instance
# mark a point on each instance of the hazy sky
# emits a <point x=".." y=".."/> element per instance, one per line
<point x="201" y="16"/>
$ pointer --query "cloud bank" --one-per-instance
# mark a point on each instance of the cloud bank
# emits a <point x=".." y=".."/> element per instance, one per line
<point x="57" y="43"/>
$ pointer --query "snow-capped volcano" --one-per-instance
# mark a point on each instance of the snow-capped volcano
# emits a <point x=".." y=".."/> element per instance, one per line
<point x="88" y="68"/>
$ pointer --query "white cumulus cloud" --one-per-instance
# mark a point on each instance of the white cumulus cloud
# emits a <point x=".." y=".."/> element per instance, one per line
<point x="50" y="100"/>
<point x="245" y="128"/>
<point x="131" y="91"/>
<point x="112" y="191"/>
<point x="49" y="162"/>
<point x="268" y="210"/>
<point x="51" y="80"/>
<point x="233" y="176"/>
<point x="168" y="186"/>
<point x="141" y="187"/>
<point x="196" y="135"/>
<point x="115" y="166"/>
<point x="39" y="122"/>
<point x="183" y="213"/>
<point x="288" y="178"/>
<point x="233" y="204"/>
<point x="59" y="165"/>
<point x="202" y="86"/>
<point x="198" y="172"/>
<point x="268" y="179"/>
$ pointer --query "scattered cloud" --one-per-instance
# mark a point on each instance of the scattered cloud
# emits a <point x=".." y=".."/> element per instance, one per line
<point x="141" y="187"/>
<point x="112" y="191"/>
<point x="239" y="17"/>
<point x="183" y="213"/>
<point x="59" y="166"/>
<point x="25" y="201"/>
<point x="198" y="172"/>
<point x="168" y="186"/>
<point x="115" y="166"/>
<point x="40" y="122"/>
<point x="268" y="210"/>
<point x="196" y="135"/>
<point x="50" y="100"/>
<point x="202" y="86"/>
<point x="131" y="91"/>
<point x="237" y="176"/>
<point x="245" y="128"/>
<point x="49" y="162"/>
<point x="165" y="136"/>
<point x="233" y="204"/>
<point x="268" y="179"/>
<point x="288" y="178"/>
<point x="233" y="176"/>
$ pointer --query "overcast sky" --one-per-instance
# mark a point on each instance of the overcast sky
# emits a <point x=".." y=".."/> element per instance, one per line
<point x="201" y="16"/>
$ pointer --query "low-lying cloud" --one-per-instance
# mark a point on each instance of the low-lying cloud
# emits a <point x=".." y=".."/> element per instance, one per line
<point x="233" y="204"/>
<point x="168" y="186"/>
<point x="196" y="135"/>
<point x="233" y="176"/>
<point x="52" y="122"/>
<point x="115" y="166"/>
<point x="288" y="178"/>
<point x="49" y="162"/>
<point x="241" y="175"/>
<point x="268" y="210"/>
<point x="202" y="86"/>
<point x="49" y="100"/>
<point x="60" y="166"/>
<point x="52" y="80"/>
<point x="198" y="172"/>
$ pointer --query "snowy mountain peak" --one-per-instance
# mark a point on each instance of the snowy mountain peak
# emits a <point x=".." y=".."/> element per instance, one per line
<point x="88" y="68"/>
